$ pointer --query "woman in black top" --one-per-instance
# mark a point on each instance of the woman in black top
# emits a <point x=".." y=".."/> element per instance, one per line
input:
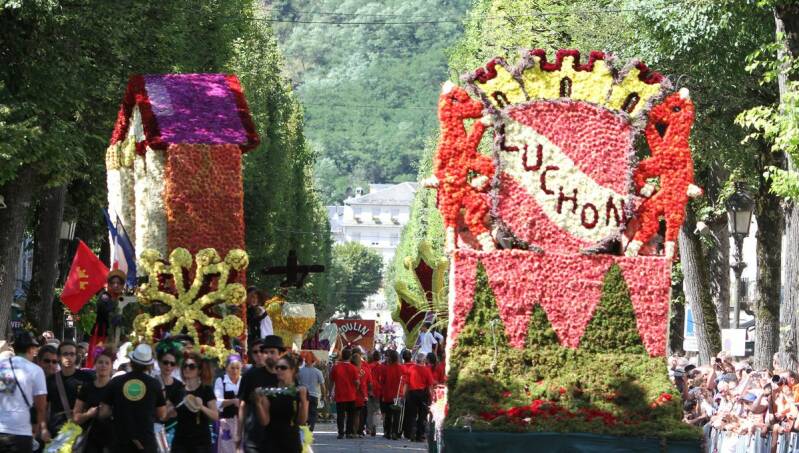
<point x="168" y="353"/>
<point x="197" y="410"/>
<point x="283" y="409"/>
<point x="88" y="402"/>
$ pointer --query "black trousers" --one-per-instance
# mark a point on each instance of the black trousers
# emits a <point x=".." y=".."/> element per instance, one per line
<point x="391" y="419"/>
<point x="361" y="428"/>
<point x="12" y="443"/>
<point x="415" y="414"/>
<point x="313" y="401"/>
<point x="346" y="410"/>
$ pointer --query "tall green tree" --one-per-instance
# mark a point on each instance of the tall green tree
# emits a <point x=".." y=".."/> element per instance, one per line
<point x="356" y="273"/>
<point x="65" y="66"/>
<point x="369" y="88"/>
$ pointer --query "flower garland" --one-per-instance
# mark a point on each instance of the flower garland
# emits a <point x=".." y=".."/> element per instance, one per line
<point x="188" y="304"/>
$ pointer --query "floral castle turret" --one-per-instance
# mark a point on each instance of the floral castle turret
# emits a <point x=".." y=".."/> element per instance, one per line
<point x="174" y="162"/>
<point x="576" y="275"/>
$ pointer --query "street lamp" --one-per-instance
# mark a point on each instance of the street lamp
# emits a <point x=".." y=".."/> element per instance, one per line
<point x="739" y="217"/>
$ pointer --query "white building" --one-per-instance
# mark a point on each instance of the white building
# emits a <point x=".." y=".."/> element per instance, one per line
<point x="374" y="219"/>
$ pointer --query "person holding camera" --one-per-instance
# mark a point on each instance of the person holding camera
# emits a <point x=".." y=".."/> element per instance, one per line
<point x="783" y="407"/>
<point x="23" y="398"/>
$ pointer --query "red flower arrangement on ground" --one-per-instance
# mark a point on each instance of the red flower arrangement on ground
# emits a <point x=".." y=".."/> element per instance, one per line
<point x="540" y="409"/>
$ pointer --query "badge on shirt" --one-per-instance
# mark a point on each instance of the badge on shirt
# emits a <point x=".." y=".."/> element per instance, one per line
<point x="134" y="390"/>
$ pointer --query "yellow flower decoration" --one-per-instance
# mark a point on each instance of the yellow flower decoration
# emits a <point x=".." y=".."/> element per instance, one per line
<point x="186" y="308"/>
<point x="289" y="325"/>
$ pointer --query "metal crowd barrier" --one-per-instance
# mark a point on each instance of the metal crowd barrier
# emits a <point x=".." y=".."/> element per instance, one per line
<point x="729" y="442"/>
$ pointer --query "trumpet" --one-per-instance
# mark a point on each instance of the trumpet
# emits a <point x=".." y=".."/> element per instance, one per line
<point x="399" y="402"/>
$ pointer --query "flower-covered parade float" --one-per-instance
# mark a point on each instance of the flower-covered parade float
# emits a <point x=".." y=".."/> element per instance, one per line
<point x="174" y="175"/>
<point x="559" y="290"/>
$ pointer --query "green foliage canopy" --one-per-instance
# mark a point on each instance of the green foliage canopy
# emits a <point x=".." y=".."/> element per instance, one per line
<point x="357" y="272"/>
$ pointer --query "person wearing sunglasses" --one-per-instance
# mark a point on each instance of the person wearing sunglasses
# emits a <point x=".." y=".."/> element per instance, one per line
<point x="47" y="358"/>
<point x="167" y="353"/>
<point x="63" y="386"/>
<point x="198" y="409"/>
<point x="265" y="353"/>
<point x="283" y="409"/>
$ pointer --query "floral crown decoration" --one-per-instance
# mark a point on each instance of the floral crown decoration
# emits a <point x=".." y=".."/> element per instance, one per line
<point x="170" y="346"/>
<point x="631" y="89"/>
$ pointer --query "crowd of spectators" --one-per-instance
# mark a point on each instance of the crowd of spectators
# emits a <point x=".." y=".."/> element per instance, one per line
<point x="733" y="397"/>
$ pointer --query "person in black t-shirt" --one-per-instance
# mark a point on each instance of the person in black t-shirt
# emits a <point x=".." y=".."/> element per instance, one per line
<point x="197" y="410"/>
<point x="169" y="357"/>
<point x="72" y="378"/>
<point x="265" y="354"/>
<point x="135" y="399"/>
<point x="88" y="402"/>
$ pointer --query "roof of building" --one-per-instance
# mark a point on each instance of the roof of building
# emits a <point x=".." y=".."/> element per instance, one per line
<point x="188" y="109"/>
<point x="395" y="194"/>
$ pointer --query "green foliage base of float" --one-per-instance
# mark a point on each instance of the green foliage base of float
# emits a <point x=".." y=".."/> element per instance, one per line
<point x="608" y="386"/>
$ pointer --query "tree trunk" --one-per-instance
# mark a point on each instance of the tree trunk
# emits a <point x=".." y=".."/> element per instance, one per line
<point x="718" y="258"/>
<point x="768" y="212"/>
<point x="46" y="254"/>
<point x="697" y="292"/>
<point x="13" y="220"/>
<point x="786" y="19"/>
<point x="676" y="323"/>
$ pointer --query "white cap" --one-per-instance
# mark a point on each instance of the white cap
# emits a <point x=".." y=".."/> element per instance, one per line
<point x="142" y="355"/>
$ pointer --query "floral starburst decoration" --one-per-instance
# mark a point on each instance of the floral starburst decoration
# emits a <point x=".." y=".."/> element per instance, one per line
<point x="187" y="302"/>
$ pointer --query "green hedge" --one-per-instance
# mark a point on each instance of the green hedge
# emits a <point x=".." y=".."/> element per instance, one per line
<point x="610" y="374"/>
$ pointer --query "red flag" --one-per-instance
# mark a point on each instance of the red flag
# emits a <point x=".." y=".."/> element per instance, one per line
<point x="86" y="277"/>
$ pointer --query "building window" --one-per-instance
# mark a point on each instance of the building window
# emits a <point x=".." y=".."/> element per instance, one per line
<point x="356" y="237"/>
<point x="356" y="211"/>
<point x="394" y="213"/>
<point x="394" y="239"/>
<point x="375" y="212"/>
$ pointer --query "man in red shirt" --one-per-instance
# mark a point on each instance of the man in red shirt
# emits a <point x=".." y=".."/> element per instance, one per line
<point x="344" y="377"/>
<point x="420" y="383"/>
<point x="391" y="381"/>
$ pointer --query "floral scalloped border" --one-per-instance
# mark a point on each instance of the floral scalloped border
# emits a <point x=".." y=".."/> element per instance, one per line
<point x="568" y="287"/>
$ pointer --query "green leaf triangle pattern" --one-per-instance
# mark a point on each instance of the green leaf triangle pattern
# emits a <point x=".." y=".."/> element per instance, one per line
<point x="613" y="327"/>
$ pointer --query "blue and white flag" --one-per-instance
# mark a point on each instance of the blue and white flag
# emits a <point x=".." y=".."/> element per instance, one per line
<point x="123" y="257"/>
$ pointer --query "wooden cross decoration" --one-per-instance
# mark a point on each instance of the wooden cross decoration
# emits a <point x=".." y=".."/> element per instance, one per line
<point x="294" y="272"/>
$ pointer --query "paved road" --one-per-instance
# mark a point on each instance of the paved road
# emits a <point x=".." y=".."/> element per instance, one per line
<point x="325" y="442"/>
